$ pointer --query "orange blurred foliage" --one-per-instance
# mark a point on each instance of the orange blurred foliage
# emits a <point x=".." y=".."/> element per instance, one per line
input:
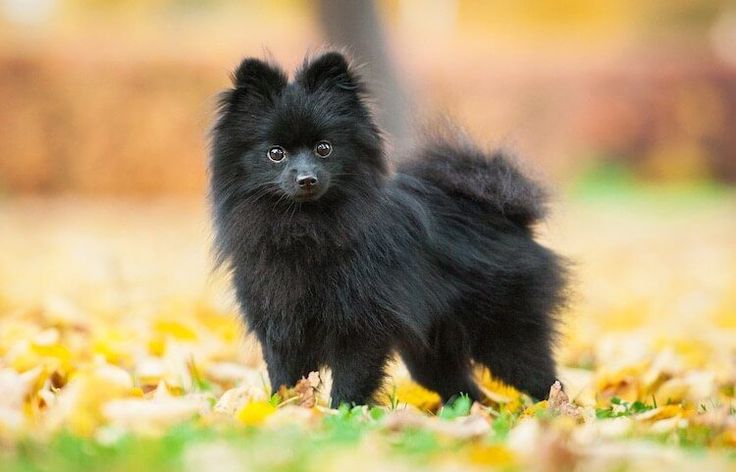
<point x="111" y="97"/>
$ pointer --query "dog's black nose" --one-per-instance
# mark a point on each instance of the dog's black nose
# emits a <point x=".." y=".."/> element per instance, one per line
<point x="306" y="181"/>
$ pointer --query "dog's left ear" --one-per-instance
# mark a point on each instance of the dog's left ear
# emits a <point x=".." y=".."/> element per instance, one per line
<point x="331" y="69"/>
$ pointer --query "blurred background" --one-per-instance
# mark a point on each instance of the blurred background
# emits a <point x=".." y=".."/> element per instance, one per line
<point x="115" y="97"/>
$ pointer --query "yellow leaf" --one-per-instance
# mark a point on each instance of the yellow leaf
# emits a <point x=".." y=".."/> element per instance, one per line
<point x="414" y="394"/>
<point x="157" y="346"/>
<point x="225" y="325"/>
<point x="672" y="391"/>
<point x="493" y="455"/>
<point x="30" y="355"/>
<point x="536" y="408"/>
<point x="255" y="413"/>
<point x="496" y="389"/>
<point x="624" y="383"/>
<point x="175" y="329"/>
<point x="79" y="404"/>
<point x="661" y="413"/>
<point x="113" y="345"/>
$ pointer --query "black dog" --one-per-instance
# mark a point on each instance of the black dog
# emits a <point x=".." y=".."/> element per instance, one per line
<point x="338" y="262"/>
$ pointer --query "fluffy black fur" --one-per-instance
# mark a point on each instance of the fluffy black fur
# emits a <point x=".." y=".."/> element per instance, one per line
<point x="436" y="261"/>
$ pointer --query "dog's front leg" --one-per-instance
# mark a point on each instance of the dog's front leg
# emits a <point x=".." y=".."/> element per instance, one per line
<point x="287" y="363"/>
<point x="357" y="372"/>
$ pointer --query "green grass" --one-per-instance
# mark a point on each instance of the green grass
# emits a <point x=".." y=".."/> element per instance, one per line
<point x="289" y="448"/>
<point x="614" y="182"/>
<point x="620" y="408"/>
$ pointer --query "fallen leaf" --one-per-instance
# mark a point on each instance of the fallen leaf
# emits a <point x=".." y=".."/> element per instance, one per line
<point x="255" y="413"/>
<point x="559" y="403"/>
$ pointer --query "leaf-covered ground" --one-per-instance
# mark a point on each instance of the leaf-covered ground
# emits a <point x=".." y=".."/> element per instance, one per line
<point x="119" y="350"/>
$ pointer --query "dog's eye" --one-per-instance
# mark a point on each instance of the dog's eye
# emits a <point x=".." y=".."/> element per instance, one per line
<point x="323" y="149"/>
<point x="276" y="154"/>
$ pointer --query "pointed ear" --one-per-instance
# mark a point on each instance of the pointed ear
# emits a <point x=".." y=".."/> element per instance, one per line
<point x="329" y="70"/>
<point x="258" y="77"/>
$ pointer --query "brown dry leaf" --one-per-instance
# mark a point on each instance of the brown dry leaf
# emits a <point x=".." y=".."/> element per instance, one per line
<point x="483" y="411"/>
<point x="560" y="404"/>
<point x="304" y="392"/>
<point x="306" y="388"/>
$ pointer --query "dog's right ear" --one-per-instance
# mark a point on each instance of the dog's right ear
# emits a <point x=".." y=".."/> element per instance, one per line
<point x="260" y="78"/>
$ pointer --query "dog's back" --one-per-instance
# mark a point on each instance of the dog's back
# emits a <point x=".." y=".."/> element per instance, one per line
<point x="450" y="161"/>
<point x="509" y="288"/>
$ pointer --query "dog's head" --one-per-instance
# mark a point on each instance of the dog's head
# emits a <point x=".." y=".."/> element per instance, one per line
<point x="298" y="140"/>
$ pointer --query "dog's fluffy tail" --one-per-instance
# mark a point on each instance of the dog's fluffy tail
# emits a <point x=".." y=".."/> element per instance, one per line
<point x="451" y="161"/>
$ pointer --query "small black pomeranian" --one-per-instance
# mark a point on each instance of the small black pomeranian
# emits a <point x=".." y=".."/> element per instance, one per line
<point x="338" y="262"/>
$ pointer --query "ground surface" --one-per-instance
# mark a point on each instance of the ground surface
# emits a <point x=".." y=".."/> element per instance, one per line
<point x="119" y="351"/>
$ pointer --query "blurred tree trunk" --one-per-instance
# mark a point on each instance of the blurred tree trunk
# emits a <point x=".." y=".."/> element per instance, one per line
<point x="357" y="26"/>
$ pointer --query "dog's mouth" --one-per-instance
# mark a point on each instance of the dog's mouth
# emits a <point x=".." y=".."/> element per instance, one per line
<point x="308" y="195"/>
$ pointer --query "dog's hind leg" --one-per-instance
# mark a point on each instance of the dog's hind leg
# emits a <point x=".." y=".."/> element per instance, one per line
<point x="520" y="356"/>
<point x="444" y="365"/>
